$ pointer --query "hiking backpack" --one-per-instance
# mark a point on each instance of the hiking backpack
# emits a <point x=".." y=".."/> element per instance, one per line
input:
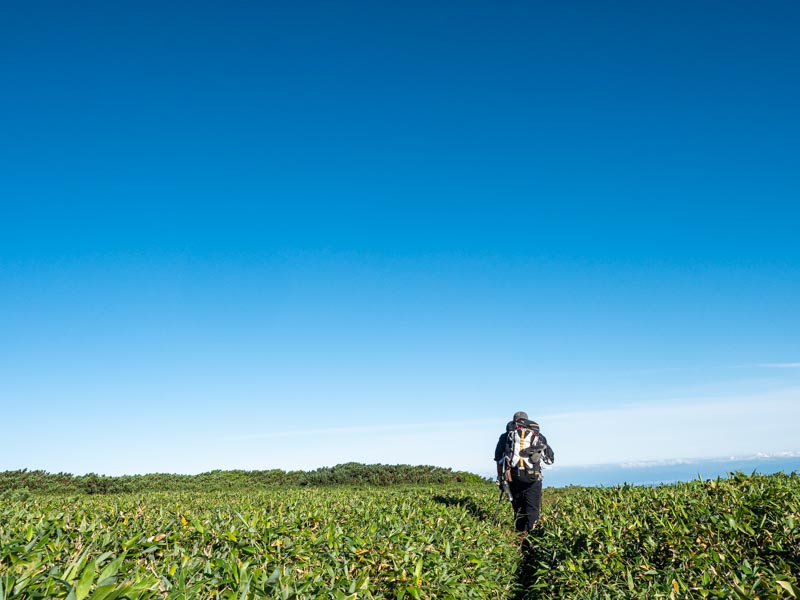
<point x="524" y="449"/>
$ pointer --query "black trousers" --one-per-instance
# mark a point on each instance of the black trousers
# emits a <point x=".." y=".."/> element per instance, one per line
<point x="527" y="503"/>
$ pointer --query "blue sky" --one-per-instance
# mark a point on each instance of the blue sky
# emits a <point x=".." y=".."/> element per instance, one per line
<point x="384" y="225"/>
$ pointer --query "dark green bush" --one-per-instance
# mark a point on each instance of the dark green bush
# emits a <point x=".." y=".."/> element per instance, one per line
<point x="346" y="474"/>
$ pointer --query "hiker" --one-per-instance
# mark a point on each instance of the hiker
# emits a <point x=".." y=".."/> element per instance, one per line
<point x="517" y="455"/>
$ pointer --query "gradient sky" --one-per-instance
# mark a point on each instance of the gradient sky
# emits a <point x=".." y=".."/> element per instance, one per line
<point x="288" y="235"/>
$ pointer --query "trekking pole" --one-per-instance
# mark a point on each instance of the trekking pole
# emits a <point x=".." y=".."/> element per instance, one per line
<point x="504" y="491"/>
<point x="497" y="510"/>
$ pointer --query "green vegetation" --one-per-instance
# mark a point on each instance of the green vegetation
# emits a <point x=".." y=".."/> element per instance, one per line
<point x="729" y="538"/>
<point x="284" y="543"/>
<point x="726" y="538"/>
<point x="345" y="474"/>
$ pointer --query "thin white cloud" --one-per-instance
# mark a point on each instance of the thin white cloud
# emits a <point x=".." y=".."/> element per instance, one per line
<point x="670" y="429"/>
<point x="375" y="428"/>
<point x="677" y="429"/>
<point x="668" y="369"/>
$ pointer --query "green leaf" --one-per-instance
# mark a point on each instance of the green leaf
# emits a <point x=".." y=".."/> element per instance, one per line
<point x="85" y="582"/>
<point x="103" y="591"/>
<point x="418" y="570"/>
<point x="111" y="568"/>
<point x="74" y="567"/>
<point x="245" y="589"/>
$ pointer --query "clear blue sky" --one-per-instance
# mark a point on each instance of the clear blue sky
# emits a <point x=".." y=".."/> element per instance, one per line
<point x="384" y="223"/>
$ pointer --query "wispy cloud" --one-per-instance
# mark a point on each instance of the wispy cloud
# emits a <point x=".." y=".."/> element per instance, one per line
<point x="374" y="428"/>
<point x="677" y="428"/>
<point x="666" y="369"/>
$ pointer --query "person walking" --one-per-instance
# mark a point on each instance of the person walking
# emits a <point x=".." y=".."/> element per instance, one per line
<point x="518" y="455"/>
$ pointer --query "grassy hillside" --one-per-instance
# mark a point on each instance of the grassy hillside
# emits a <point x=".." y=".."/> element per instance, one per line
<point x="729" y="538"/>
